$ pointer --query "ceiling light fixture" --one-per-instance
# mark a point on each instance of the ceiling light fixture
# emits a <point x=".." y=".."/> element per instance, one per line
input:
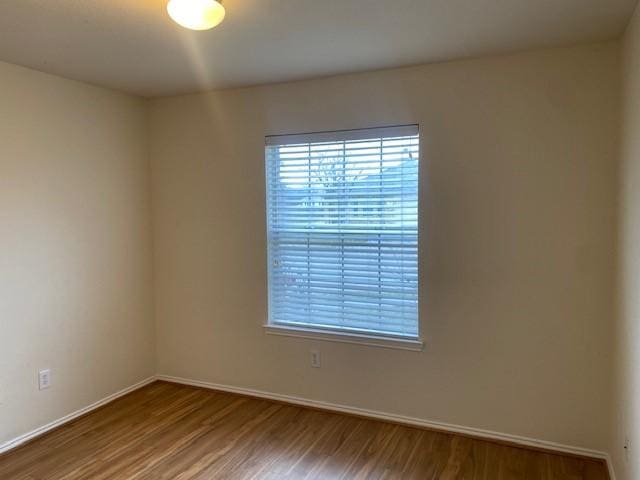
<point x="196" y="14"/>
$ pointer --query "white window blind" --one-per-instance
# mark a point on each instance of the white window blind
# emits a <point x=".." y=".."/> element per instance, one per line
<point x="342" y="217"/>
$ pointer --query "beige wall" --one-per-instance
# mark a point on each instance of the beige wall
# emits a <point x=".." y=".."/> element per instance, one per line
<point x="626" y="406"/>
<point x="75" y="263"/>
<point x="517" y="227"/>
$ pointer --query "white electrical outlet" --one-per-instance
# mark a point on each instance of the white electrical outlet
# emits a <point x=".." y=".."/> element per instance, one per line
<point x="627" y="448"/>
<point x="44" y="379"/>
<point x="315" y="358"/>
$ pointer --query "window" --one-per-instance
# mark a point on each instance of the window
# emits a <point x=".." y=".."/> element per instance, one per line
<point x="342" y="219"/>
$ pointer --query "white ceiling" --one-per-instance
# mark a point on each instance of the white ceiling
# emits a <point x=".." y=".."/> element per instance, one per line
<point x="132" y="45"/>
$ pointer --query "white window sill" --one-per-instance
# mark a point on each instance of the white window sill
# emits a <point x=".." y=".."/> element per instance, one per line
<point x="412" y="344"/>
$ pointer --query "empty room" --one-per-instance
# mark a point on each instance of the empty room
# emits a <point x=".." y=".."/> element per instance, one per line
<point x="319" y="239"/>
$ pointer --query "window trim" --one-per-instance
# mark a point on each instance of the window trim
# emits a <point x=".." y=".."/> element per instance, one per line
<point x="342" y="135"/>
<point x="413" y="344"/>
<point x="372" y="338"/>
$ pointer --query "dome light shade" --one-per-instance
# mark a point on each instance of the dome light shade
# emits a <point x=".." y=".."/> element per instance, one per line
<point x="196" y="14"/>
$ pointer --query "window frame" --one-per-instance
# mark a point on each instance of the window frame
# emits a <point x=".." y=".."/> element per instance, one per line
<point x="322" y="333"/>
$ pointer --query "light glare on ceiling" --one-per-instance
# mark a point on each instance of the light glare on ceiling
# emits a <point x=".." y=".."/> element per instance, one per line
<point x="196" y="14"/>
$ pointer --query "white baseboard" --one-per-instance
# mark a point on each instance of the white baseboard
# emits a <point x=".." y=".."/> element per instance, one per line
<point x="16" y="442"/>
<point x="612" y="473"/>
<point x="416" y="422"/>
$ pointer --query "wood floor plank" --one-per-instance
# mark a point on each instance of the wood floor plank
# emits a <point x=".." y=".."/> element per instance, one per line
<point x="166" y="431"/>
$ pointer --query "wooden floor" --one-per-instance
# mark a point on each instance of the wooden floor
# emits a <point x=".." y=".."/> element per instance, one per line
<point x="167" y="431"/>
